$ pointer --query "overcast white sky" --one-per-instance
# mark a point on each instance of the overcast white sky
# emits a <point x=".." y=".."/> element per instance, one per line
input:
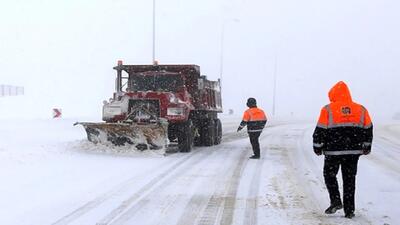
<point x="63" y="51"/>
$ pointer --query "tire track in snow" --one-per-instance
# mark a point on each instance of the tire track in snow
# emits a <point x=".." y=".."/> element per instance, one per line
<point x="198" y="202"/>
<point x="173" y="203"/>
<point x="230" y="198"/>
<point x="390" y="133"/>
<point x="251" y="212"/>
<point x="79" y="212"/>
<point x="250" y="216"/>
<point x="130" y="206"/>
<point x="221" y="204"/>
<point x="384" y="155"/>
<point x="285" y="199"/>
<point x="388" y="142"/>
<point x="285" y="196"/>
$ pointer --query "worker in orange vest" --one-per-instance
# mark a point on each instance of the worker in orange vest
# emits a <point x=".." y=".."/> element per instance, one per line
<point x="255" y="119"/>
<point x="343" y="133"/>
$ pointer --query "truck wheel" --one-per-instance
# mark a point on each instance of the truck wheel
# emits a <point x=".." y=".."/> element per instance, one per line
<point x="185" y="138"/>
<point x="209" y="133"/>
<point x="218" y="132"/>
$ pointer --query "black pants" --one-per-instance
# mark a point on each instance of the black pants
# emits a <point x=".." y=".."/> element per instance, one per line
<point x="255" y="143"/>
<point x="348" y="165"/>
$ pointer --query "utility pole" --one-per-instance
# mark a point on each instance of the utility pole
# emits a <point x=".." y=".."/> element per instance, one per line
<point x="154" y="31"/>
<point x="221" y="57"/>
<point x="274" y="88"/>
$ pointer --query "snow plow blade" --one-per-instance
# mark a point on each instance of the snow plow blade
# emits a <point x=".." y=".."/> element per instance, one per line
<point x="153" y="136"/>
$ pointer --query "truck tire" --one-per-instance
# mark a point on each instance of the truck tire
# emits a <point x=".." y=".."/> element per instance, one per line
<point x="218" y="132"/>
<point x="185" y="138"/>
<point x="208" y="133"/>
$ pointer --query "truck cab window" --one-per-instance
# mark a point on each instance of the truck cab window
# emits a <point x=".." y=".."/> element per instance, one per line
<point x="164" y="82"/>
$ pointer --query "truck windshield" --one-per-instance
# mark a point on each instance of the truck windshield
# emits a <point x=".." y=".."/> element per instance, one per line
<point x="156" y="82"/>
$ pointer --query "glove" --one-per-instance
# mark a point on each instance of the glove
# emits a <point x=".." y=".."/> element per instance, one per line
<point x="239" y="128"/>
<point x="366" y="146"/>
<point x="366" y="151"/>
<point x="318" y="152"/>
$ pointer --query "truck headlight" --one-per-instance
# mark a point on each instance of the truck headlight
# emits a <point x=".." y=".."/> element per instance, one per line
<point x="175" y="111"/>
<point x="111" y="111"/>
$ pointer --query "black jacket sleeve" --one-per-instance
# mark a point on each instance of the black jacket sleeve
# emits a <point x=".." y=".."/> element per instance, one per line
<point x="319" y="139"/>
<point x="368" y="136"/>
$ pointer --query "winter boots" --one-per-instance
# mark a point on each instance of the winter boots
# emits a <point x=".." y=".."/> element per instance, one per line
<point x="349" y="215"/>
<point x="333" y="208"/>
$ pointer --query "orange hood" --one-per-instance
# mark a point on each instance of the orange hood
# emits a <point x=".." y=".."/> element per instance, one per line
<point x="340" y="93"/>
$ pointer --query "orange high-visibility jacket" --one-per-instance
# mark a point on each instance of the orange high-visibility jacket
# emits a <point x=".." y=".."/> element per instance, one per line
<point x="344" y="127"/>
<point x="255" y="119"/>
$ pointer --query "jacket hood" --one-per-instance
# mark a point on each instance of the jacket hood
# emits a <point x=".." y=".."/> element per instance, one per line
<point x="340" y="93"/>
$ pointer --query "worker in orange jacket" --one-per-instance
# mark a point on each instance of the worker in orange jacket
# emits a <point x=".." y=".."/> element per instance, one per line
<point x="343" y="133"/>
<point x="255" y="119"/>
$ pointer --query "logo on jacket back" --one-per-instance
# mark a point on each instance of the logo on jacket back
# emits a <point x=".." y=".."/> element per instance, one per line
<point x="346" y="110"/>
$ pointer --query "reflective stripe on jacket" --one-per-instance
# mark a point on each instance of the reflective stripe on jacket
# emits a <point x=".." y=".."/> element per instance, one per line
<point x="344" y="127"/>
<point x="255" y="119"/>
<point x="342" y="114"/>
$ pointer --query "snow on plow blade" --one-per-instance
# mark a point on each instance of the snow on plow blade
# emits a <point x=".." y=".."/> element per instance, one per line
<point x="142" y="136"/>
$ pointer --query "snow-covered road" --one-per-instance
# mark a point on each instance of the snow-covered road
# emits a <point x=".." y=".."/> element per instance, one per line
<point x="51" y="175"/>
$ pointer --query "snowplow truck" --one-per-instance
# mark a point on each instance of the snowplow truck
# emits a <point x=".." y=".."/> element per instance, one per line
<point x="157" y="105"/>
